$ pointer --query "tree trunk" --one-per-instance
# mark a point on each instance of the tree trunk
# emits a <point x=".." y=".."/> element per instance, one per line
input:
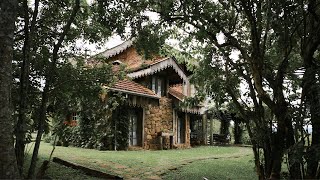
<point x="237" y="130"/>
<point x="42" y="119"/>
<point x="313" y="97"/>
<point x="21" y="125"/>
<point x="284" y="140"/>
<point x="50" y="77"/>
<point x="8" y="166"/>
<point x="293" y="156"/>
<point x="313" y="151"/>
<point x="255" y="148"/>
<point x="20" y="129"/>
<point x="278" y="148"/>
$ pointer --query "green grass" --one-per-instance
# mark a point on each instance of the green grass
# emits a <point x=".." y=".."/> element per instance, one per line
<point x="210" y="161"/>
<point x="224" y="168"/>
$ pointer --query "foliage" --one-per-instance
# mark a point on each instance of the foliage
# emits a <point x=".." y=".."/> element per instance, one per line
<point x="265" y="35"/>
<point x="120" y="128"/>
<point x="46" y="84"/>
<point x="96" y="120"/>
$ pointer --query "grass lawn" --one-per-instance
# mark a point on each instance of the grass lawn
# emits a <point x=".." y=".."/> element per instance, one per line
<point x="212" y="162"/>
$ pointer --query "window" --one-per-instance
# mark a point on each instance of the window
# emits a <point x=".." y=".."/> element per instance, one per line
<point x="74" y="116"/>
<point x="153" y="86"/>
<point x="71" y="119"/>
<point x="158" y="85"/>
<point x="181" y="130"/>
<point x="116" y="62"/>
<point x="133" y="128"/>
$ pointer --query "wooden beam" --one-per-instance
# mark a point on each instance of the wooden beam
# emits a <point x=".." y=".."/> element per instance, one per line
<point x="143" y="119"/>
<point x="87" y="171"/>
<point x="204" y="129"/>
<point x="185" y="127"/>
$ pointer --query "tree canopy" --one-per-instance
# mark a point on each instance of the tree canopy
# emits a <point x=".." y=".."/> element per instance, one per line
<point x="271" y="39"/>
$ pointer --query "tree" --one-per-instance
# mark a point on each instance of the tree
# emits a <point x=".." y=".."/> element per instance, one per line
<point x="50" y="80"/>
<point x="310" y="44"/>
<point x="27" y="52"/>
<point x="265" y="34"/>
<point x="45" y="40"/>
<point x="8" y="166"/>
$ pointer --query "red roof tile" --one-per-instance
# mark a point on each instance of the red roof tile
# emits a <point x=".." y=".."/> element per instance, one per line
<point x="176" y="91"/>
<point x="144" y="64"/>
<point x="133" y="88"/>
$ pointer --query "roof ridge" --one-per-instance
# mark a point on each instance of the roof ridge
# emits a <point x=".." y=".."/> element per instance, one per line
<point x="116" y="49"/>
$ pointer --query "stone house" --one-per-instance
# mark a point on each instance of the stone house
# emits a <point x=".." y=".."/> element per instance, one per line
<point x="154" y="88"/>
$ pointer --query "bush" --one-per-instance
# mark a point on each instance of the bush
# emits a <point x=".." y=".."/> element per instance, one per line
<point x="48" y="138"/>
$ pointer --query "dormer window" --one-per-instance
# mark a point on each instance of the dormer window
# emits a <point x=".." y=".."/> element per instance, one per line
<point x="116" y="62"/>
<point x="116" y="65"/>
<point x="158" y="85"/>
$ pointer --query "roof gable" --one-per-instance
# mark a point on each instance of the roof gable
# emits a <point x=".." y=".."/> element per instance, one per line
<point x="159" y="66"/>
<point x="137" y="66"/>
<point x="116" y="50"/>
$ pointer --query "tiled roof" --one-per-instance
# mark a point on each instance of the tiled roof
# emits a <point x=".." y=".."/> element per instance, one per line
<point x="176" y="91"/>
<point x="144" y="64"/>
<point x="132" y="87"/>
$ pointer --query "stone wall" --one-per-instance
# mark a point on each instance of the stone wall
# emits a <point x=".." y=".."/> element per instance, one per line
<point x="157" y="119"/>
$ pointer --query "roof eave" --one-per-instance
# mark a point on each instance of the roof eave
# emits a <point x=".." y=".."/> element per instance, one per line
<point x="147" y="70"/>
<point x="134" y="93"/>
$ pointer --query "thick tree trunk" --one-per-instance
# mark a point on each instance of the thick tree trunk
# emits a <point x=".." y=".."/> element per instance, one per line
<point x="8" y="166"/>
<point x="237" y="130"/>
<point x="294" y="158"/>
<point x="255" y="148"/>
<point x="20" y="129"/>
<point x="313" y="158"/>
<point x="278" y="142"/>
<point x="284" y="140"/>
<point x="267" y="151"/>
<point x="313" y="97"/>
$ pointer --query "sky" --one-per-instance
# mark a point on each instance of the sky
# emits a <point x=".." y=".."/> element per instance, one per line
<point x="95" y="48"/>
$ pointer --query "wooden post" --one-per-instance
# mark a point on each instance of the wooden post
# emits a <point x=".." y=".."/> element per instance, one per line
<point x="211" y="131"/>
<point x="186" y="127"/>
<point x="204" y="129"/>
<point x="143" y="119"/>
<point x="174" y="127"/>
